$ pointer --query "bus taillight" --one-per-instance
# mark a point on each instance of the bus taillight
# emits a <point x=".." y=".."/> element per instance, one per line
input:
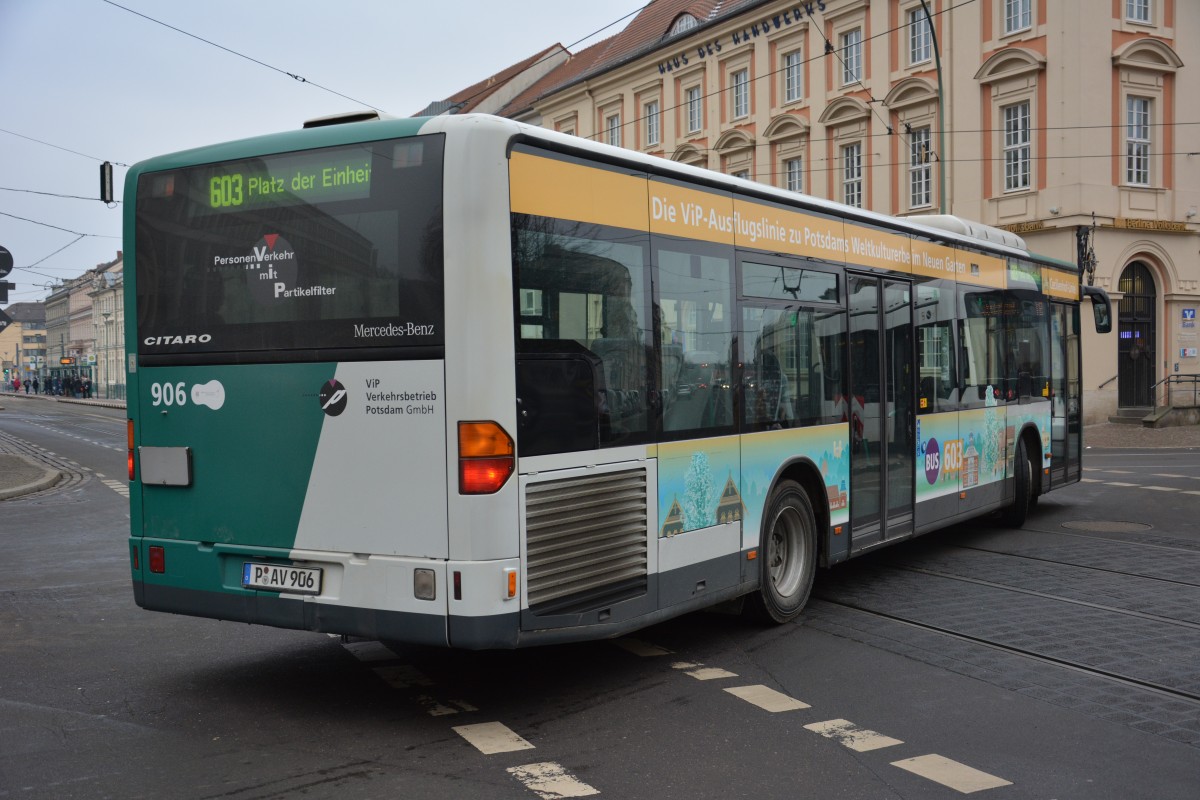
<point x="486" y="457"/>
<point x="129" y="441"/>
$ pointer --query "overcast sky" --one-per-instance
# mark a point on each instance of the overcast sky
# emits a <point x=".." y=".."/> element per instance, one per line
<point x="90" y="77"/>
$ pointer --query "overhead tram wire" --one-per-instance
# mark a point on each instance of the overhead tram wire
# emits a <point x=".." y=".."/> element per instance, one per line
<point x="52" y="194"/>
<point x="1032" y="129"/>
<point x="1074" y="156"/>
<point x="638" y="10"/>
<point x="58" y="147"/>
<point x="292" y="75"/>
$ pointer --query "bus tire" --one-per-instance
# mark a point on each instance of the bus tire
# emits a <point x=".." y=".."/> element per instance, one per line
<point x="787" y="555"/>
<point x="1014" y="515"/>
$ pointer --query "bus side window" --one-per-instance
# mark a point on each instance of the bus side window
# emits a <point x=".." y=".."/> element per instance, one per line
<point x="695" y="318"/>
<point x="583" y="321"/>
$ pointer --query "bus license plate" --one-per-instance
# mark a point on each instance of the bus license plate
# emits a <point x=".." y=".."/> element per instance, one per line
<point x="277" y="578"/>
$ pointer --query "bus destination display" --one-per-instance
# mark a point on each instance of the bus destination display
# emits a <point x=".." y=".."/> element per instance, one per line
<point x="311" y="178"/>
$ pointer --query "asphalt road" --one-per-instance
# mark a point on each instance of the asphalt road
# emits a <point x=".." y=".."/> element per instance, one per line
<point x="1059" y="661"/>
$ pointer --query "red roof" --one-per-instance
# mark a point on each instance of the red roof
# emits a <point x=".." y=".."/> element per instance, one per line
<point x="470" y="97"/>
<point x="644" y="34"/>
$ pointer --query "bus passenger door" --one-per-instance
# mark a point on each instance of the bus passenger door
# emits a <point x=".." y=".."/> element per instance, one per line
<point x="1065" y="372"/>
<point x="881" y="410"/>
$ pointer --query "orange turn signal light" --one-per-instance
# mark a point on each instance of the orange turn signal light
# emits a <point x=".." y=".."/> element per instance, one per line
<point x="486" y="457"/>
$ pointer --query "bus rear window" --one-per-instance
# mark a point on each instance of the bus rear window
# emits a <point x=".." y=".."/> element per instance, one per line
<point x="324" y="249"/>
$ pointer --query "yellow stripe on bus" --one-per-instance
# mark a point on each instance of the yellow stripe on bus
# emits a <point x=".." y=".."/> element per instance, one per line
<point x="547" y="187"/>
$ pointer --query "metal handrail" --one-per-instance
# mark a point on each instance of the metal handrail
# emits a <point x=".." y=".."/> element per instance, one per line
<point x="1107" y="382"/>
<point x="1194" y="380"/>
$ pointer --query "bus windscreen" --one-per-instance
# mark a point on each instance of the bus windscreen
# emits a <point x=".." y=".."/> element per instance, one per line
<point x="333" y="248"/>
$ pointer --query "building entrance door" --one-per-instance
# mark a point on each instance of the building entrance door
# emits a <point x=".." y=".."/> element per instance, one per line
<point x="1136" y="352"/>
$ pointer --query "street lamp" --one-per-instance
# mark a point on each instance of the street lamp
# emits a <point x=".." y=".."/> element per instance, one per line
<point x="937" y="60"/>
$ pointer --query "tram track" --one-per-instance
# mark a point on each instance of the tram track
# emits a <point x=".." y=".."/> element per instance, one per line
<point x="1143" y="540"/>
<point x="1075" y="666"/>
<point x="1074" y="565"/>
<point x="1059" y="598"/>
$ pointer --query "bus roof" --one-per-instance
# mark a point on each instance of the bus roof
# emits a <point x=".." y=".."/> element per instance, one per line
<point x="357" y="128"/>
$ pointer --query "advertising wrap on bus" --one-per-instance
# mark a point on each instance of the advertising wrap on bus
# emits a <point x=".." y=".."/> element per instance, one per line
<point x="338" y="247"/>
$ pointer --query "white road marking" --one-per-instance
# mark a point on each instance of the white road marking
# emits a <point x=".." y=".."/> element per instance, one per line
<point x="640" y="648"/>
<point x="857" y="739"/>
<point x="1169" y="475"/>
<point x="492" y="737"/>
<point x="1160" y="488"/>
<point x="369" y="651"/>
<point x="436" y="708"/>
<point x="404" y="676"/>
<point x="1191" y="492"/>
<point x="703" y="673"/>
<point x="1091" y="480"/>
<point x="551" y="781"/>
<point x="949" y="773"/>
<point x="767" y="698"/>
<point x="1120" y="471"/>
<point x="1118" y="483"/>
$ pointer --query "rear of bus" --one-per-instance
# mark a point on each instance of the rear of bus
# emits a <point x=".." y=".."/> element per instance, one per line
<point x="287" y="407"/>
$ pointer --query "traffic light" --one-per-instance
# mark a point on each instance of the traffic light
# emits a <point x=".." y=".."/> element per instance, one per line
<point x="106" y="182"/>
<point x="4" y="287"/>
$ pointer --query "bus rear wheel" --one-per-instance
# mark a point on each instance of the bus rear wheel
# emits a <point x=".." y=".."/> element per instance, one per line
<point x="786" y="555"/>
<point x="1014" y="515"/>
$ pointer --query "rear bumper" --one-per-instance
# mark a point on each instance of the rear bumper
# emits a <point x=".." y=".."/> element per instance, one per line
<point x="361" y="595"/>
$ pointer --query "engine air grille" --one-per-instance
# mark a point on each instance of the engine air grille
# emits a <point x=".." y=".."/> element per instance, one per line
<point x="586" y="541"/>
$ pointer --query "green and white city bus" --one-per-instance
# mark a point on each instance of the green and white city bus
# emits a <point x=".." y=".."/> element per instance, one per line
<point x="466" y="382"/>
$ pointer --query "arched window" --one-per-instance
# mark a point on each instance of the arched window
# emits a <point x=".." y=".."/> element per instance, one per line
<point x="684" y="22"/>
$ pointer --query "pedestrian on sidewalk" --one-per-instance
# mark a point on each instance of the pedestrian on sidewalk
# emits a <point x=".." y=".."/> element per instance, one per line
<point x="36" y="383"/>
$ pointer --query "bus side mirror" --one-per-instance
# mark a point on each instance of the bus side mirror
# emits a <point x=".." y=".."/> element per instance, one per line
<point x="1101" y="308"/>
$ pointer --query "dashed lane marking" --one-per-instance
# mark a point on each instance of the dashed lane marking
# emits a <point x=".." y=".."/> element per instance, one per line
<point x="492" y="737"/>
<point x="1091" y="480"/>
<point x="1160" y="488"/>
<point x="949" y="773"/>
<point x="550" y="780"/>
<point x="701" y="672"/>
<point x="1119" y="471"/>
<point x="1191" y="492"/>
<point x="848" y="734"/>
<point x="369" y="651"/>
<point x="403" y="676"/>
<point x="1169" y="475"/>
<point x="436" y="708"/>
<point x="640" y="648"/>
<point x="767" y="698"/>
<point x="1118" y="483"/>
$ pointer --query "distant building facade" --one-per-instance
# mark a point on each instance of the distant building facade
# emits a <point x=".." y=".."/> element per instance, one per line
<point x="23" y="342"/>
<point x="85" y="329"/>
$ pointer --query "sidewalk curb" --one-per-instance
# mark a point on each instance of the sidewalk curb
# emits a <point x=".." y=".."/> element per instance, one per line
<point x="50" y="477"/>
<point x="121" y="404"/>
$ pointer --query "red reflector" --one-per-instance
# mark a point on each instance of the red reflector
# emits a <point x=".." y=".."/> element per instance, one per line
<point x="158" y="559"/>
<point x="136" y="560"/>
<point x="457" y="585"/>
<point x="129" y="443"/>
<point x="483" y="475"/>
